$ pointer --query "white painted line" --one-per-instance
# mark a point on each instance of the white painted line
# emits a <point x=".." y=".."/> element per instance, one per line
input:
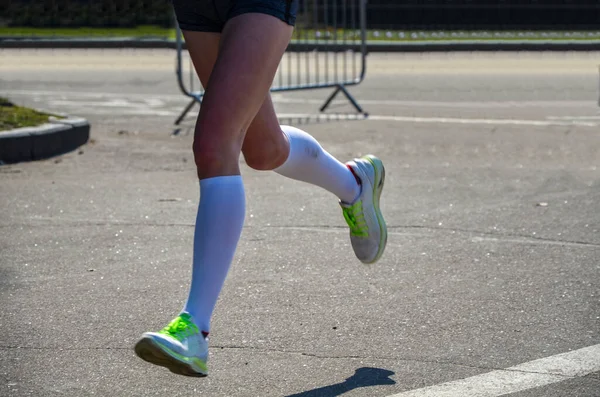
<point x="112" y="103"/>
<point x="129" y="112"/>
<point x="483" y="104"/>
<point x="442" y="120"/>
<point x="149" y="103"/>
<point x="525" y="376"/>
<point x="573" y="117"/>
<point x="280" y="98"/>
<point x="98" y="95"/>
<point x="450" y="120"/>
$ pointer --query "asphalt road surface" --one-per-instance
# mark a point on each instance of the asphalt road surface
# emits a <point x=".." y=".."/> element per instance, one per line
<point x="490" y="284"/>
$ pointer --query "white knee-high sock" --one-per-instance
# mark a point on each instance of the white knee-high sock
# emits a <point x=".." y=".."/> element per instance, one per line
<point x="309" y="162"/>
<point x="218" y="228"/>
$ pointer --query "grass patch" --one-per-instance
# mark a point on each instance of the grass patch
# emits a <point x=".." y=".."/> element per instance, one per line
<point x="13" y="116"/>
<point x="89" y="32"/>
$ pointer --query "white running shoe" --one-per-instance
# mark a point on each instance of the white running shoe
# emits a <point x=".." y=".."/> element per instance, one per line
<point x="180" y="346"/>
<point x="368" y="232"/>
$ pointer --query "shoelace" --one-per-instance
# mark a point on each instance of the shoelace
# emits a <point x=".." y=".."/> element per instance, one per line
<point x="355" y="218"/>
<point x="180" y="328"/>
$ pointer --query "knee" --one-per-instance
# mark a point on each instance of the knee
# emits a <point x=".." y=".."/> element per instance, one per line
<point x="214" y="157"/>
<point x="267" y="155"/>
<point x="206" y="156"/>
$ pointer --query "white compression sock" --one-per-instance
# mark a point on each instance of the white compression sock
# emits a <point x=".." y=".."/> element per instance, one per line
<point x="309" y="162"/>
<point x="218" y="228"/>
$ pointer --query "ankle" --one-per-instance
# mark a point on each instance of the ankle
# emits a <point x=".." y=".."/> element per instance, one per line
<point x="358" y="181"/>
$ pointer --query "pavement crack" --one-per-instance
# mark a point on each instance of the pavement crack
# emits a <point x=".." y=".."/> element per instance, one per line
<point x="522" y="371"/>
<point x="349" y="356"/>
<point x="57" y="348"/>
<point x="297" y="352"/>
<point x="591" y="378"/>
<point x="305" y="354"/>
<point x="387" y="358"/>
<point x="62" y="223"/>
<point x="499" y="236"/>
<point x="517" y="238"/>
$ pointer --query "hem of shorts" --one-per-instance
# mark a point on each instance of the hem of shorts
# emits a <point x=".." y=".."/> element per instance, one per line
<point x="274" y="12"/>
<point x="198" y="28"/>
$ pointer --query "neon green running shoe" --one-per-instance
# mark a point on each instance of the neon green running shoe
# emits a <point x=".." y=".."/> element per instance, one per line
<point x="368" y="231"/>
<point x="180" y="346"/>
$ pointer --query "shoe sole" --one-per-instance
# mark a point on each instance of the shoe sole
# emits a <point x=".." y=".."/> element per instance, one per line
<point x="152" y="352"/>
<point x="377" y="189"/>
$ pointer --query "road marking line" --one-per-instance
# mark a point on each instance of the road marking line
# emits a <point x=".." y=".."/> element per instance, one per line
<point x="573" y="117"/>
<point x="441" y="120"/>
<point x="450" y="120"/>
<point x="525" y="376"/>
<point x="280" y="98"/>
<point x="109" y="95"/>
<point x="152" y="101"/>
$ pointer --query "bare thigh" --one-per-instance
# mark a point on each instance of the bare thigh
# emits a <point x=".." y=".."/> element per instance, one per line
<point x="264" y="147"/>
<point x="237" y="70"/>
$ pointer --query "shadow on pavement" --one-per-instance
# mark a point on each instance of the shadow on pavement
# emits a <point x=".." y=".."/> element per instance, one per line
<point x="363" y="377"/>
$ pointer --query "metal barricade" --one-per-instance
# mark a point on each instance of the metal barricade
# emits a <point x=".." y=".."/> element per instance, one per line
<point x="328" y="50"/>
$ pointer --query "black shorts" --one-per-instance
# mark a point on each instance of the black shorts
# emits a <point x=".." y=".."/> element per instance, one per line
<point x="211" y="15"/>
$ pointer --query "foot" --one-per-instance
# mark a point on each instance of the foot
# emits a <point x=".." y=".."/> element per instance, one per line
<point x="180" y="346"/>
<point x="368" y="232"/>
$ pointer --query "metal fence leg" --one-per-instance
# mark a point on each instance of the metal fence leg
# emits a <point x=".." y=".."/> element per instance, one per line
<point x="185" y="111"/>
<point x="196" y="96"/>
<point x="341" y="88"/>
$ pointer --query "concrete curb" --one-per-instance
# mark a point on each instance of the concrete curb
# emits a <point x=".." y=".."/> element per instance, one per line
<point x="56" y="137"/>
<point x="430" y="46"/>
